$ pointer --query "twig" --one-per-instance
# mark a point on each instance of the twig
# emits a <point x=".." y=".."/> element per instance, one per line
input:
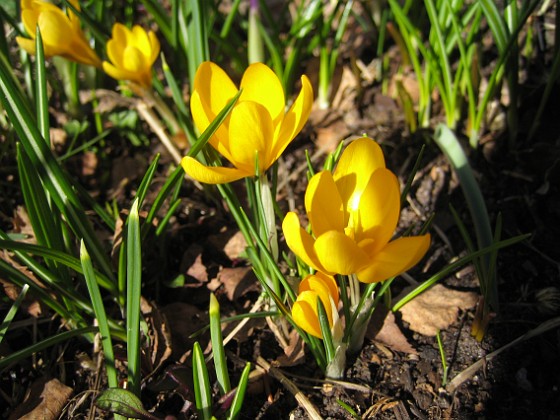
<point x="242" y="323"/>
<point x="302" y="400"/>
<point x="157" y="127"/>
<point x="472" y="369"/>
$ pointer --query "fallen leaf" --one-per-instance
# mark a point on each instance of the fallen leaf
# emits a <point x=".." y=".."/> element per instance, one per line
<point x="90" y="162"/>
<point x="183" y="320"/>
<point x="191" y="263"/>
<point x="235" y="246"/>
<point x="436" y="309"/>
<point x="160" y="348"/>
<point x="293" y="353"/>
<point x="237" y="281"/>
<point x="198" y="270"/>
<point x="388" y="333"/>
<point x="45" y="401"/>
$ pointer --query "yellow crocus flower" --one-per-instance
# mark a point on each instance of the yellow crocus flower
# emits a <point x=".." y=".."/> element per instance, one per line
<point x="61" y="32"/>
<point x="132" y="54"/>
<point x="304" y="311"/>
<point x="353" y="214"/>
<point x="257" y="129"/>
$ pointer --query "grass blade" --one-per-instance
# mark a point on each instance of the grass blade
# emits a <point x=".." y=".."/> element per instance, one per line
<point x="202" y="391"/>
<point x="54" y="179"/>
<point x="220" y="363"/>
<point x="12" y="312"/>
<point x="51" y="341"/>
<point x="455" y="155"/>
<point x="133" y="292"/>
<point x="239" y="397"/>
<point x="454" y="266"/>
<point x="100" y="315"/>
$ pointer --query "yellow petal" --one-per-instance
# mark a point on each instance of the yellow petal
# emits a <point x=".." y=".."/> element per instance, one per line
<point x="304" y="313"/>
<point x="55" y="31"/>
<point x="27" y="44"/>
<point x="339" y="254"/>
<point x="29" y="17"/>
<point x="30" y="11"/>
<point x="210" y="174"/>
<point x="312" y="281"/>
<point x="396" y="258"/>
<point x="155" y="47"/>
<point x="202" y="120"/>
<point x="133" y="59"/>
<point x="323" y="292"/>
<point x="250" y="131"/>
<point x="115" y="72"/>
<point x="120" y="38"/>
<point x="115" y="52"/>
<point x="358" y="162"/>
<point x="81" y="52"/>
<point x="295" y="118"/>
<point x="260" y="84"/>
<point x="299" y="241"/>
<point x="379" y="209"/>
<point x="141" y="41"/>
<point x="214" y="87"/>
<point x="323" y="204"/>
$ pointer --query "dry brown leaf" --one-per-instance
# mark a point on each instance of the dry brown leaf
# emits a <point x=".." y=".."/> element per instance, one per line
<point x="160" y="348"/>
<point x="293" y="353"/>
<point x="45" y="401"/>
<point x="58" y="136"/>
<point x="22" y="224"/>
<point x="90" y="162"/>
<point x="390" y="334"/>
<point x="107" y="100"/>
<point x="198" y="270"/>
<point x="436" y="309"/>
<point x="237" y="281"/>
<point x="235" y="246"/>
<point x="183" y="320"/>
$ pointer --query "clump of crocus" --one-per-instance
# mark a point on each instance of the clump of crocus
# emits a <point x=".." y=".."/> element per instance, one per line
<point x="256" y="131"/>
<point x="61" y="32"/>
<point x="305" y="312"/>
<point x="353" y="214"/>
<point x="132" y="54"/>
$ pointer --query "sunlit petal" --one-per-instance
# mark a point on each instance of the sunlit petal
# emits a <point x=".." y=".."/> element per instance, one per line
<point x="358" y="162"/>
<point x="130" y="51"/>
<point x="396" y="258"/>
<point x="155" y="47"/>
<point x="27" y="44"/>
<point x="133" y="59"/>
<point x="339" y="254"/>
<point x="141" y="40"/>
<point x="214" y="87"/>
<point x="323" y="204"/>
<point x="210" y="174"/>
<point x="61" y="33"/>
<point x="115" y="52"/>
<point x="299" y="241"/>
<point x="114" y="72"/>
<point x="81" y="52"/>
<point x="260" y="84"/>
<point x="55" y="30"/>
<point x="29" y="17"/>
<point x="251" y="127"/>
<point x="295" y="118"/>
<point x="379" y="208"/>
<point x="202" y="120"/>
<point x="304" y="313"/>
<point x="310" y="283"/>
